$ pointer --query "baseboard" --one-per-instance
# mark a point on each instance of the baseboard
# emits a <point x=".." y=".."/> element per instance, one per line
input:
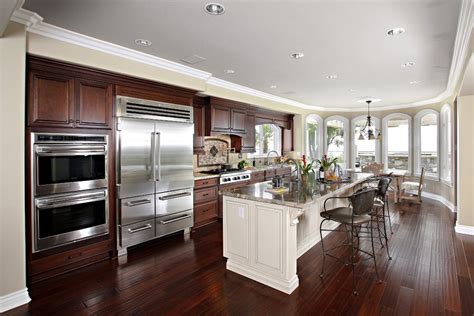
<point x="440" y="199"/>
<point x="463" y="229"/>
<point x="13" y="300"/>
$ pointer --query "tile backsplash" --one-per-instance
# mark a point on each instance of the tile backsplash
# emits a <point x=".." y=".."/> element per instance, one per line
<point x="215" y="152"/>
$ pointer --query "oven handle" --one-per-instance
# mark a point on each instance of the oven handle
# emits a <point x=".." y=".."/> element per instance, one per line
<point x="136" y="230"/>
<point x="174" y="196"/>
<point x="175" y="219"/>
<point x="70" y="149"/>
<point x="95" y="197"/>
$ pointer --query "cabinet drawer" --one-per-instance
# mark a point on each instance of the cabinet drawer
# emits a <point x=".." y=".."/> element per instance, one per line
<point x="136" y="233"/>
<point x="258" y="174"/>
<point x="204" y="183"/>
<point x="169" y="224"/>
<point x="269" y="173"/>
<point x="137" y="209"/>
<point x="257" y="179"/>
<point x="283" y="171"/>
<point x="205" y="195"/>
<point x="174" y="202"/>
<point x="203" y="212"/>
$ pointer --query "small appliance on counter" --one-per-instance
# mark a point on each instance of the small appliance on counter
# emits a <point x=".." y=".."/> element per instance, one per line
<point x="154" y="162"/>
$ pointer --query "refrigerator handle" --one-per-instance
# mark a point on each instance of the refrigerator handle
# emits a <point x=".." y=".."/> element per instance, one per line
<point x="152" y="157"/>
<point x="157" y="155"/>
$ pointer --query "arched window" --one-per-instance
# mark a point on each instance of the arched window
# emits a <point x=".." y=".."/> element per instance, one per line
<point x="426" y="142"/>
<point x="446" y="144"/>
<point x="267" y="138"/>
<point x="396" y="138"/>
<point x="364" y="151"/>
<point x="337" y="139"/>
<point x="314" y="136"/>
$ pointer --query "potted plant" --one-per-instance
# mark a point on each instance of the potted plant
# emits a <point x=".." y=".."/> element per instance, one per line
<point x="306" y="168"/>
<point x="325" y="162"/>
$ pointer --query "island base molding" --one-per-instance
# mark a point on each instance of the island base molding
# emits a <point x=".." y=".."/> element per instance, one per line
<point x="285" y="286"/>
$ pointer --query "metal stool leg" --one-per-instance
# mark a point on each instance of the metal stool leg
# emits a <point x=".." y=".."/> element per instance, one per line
<point x="373" y="251"/>
<point x="385" y="233"/>
<point x="322" y="245"/>
<point x="388" y="214"/>
<point x="351" y="245"/>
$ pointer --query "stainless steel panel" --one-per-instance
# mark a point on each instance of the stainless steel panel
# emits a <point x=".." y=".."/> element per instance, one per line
<point x="174" y="201"/>
<point x="134" y="234"/>
<point x="60" y="200"/>
<point x="135" y="157"/>
<point x="174" y="156"/>
<point x="169" y="224"/>
<point x="136" y="209"/>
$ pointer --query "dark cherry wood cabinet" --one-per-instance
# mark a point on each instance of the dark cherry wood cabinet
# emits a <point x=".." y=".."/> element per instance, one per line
<point x="94" y="104"/>
<point x="248" y="140"/>
<point x="205" y="201"/>
<point x="199" y="114"/>
<point x="220" y="119"/>
<point x="237" y="125"/>
<point x="50" y="99"/>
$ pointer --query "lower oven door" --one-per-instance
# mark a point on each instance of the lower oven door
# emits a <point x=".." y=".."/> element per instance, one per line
<point x="65" y="218"/>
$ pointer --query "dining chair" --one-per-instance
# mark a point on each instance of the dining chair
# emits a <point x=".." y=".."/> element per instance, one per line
<point x="374" y="168"/>
<point x="412" y="190"/>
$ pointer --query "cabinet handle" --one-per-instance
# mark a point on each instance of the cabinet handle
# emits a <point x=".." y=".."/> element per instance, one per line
<point x="205" y="182"/>
<point x="136" y="230"/>
<point x="71" y="121"/>
<point x="138" y="202"/>
<point x="78" y="121"/>
<point x="205" y="194"/>
<point x="175" y="219"/>
<point x="75" y="255"/>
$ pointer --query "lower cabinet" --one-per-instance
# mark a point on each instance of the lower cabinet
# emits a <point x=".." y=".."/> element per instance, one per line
<point x="206" y="200"/>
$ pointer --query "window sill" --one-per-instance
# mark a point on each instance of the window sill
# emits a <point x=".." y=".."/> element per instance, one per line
<point x="447" y="182"/>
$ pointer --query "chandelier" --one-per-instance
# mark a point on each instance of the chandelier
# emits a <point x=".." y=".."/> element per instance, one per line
<point x="369" y="132"/>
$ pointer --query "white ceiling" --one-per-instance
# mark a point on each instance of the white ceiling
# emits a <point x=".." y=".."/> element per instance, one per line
<point x="255" y="38"/>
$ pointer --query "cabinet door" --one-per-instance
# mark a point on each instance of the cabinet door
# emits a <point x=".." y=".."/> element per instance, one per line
<point x="198" y="142"/>
<point x="50" y="100"/>
<point x="248" y="140"/>
<point x="220" y="118"/>
<point x="94" y="101"/>
<point x="287" y="140"/>
<point x="238" y="121"/>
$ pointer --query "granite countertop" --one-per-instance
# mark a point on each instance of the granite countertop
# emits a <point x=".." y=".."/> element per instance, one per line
<point x="299" y="194"/>
<point x="202" y="176"/>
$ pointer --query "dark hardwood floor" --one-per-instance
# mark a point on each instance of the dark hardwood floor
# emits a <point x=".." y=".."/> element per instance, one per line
<point x="432" y="273"/>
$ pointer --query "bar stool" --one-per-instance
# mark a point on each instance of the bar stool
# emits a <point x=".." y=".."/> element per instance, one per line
<point x="358" y="213"/>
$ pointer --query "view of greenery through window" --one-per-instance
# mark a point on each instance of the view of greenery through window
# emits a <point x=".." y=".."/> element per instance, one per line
<point x="335" y="140"/>
<point x="267" y="138"/>
<point x="312" y="130"/>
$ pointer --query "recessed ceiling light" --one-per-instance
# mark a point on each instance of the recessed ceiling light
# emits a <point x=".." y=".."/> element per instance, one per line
<point x="414" y="82"/>
<point x="229" y="71"/>
<point x="408" y="64"/>
<point x="331" y="76"/>
<point x="142" y="42"/>
<point x="214" y="8"/>
<point x="273" y="86"/>
<point x="352" y="90"/>
<point x="371" y="99"/>
<point x="396" y="31"/>
<point x="297" y="55"/>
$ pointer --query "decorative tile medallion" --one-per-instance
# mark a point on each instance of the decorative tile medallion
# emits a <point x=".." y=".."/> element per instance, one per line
<point x="215" y="152"/>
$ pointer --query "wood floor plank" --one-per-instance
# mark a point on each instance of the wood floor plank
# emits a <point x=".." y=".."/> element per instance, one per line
<point x="431" y="274"/>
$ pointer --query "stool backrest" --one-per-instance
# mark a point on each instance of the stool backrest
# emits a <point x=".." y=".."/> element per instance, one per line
<point x="383" y="185"/>
<point x="362" y="201"/>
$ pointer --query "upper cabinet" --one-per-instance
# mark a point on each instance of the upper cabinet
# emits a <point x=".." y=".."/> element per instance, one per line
<point x="50" y="99"/>
<point x="220" y="119"/>
<point x="248" y="140"/>
<point x="58" y="100"/>
<point x="225" y="117"/>
<point x="237" y="123"/>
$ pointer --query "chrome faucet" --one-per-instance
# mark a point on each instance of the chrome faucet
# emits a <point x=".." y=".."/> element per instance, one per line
<point x="268" y="156"/>
<point x="298" y="170"/>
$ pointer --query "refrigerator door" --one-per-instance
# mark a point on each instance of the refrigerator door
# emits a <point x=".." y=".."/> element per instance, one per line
<point x="174" y="156"/>
<point x="135" y="157"/>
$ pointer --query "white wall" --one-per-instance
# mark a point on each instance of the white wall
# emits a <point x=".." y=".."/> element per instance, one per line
<point x="12" y="167"/>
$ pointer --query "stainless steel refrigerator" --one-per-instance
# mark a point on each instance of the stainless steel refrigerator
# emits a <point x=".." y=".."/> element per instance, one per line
<point x="154" y="163"/>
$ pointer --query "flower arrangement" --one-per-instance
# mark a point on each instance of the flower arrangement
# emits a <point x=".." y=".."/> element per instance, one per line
<point x="326" y="162"/>
<point x="305" y="167"/>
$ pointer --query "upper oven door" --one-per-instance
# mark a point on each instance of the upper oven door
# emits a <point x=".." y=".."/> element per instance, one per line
<point x="61" y="168"/>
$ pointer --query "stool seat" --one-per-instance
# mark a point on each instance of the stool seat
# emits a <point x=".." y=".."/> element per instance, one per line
<point x="344" y="215"/>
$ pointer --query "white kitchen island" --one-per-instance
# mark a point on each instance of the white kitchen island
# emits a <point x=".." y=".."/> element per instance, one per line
<point x="265" y="233"/>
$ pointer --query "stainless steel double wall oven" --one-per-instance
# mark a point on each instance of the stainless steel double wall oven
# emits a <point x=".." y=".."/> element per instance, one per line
<point x="69" y="188"/>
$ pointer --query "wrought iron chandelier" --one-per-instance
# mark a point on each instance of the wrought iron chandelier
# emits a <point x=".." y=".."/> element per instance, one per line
<point x="369" y="132"/>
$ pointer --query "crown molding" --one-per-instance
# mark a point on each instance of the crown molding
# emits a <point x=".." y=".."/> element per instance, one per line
<point x="35" y="24"/>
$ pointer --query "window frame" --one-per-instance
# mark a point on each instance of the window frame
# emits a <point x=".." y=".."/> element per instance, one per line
<point x="347" y="137"/>
<point x="319" y="139"/>
<point x="378" y="146"/>
<point x="278" y="141"/>
<point x="445" y="125"/>
<point x="417" y="148"/>
<point x="385" y="121"/>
